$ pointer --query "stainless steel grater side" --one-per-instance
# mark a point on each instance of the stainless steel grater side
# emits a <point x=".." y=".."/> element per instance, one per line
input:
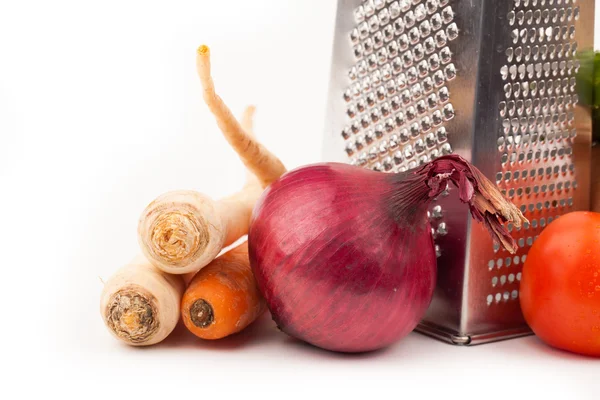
<point x="491" y="80"/>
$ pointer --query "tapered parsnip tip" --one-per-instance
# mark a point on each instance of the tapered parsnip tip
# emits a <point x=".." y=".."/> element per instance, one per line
<point x="203" y="50"/>
<point x="248" y="119"/>
<point x="250" y="110"/>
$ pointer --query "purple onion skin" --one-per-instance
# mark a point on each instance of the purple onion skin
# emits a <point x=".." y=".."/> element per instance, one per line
<point x="343" y="262"/>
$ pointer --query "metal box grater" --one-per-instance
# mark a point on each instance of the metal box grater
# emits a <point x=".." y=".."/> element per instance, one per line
<point x="491" y="80"/>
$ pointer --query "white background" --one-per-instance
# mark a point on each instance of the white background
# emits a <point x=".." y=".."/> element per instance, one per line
<point x="100" y="111"/>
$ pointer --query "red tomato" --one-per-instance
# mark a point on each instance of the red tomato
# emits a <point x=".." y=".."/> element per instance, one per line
<point x="560" y="284"/>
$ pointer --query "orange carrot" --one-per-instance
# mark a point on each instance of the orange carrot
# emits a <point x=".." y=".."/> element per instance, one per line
<point x="222" y="298"/>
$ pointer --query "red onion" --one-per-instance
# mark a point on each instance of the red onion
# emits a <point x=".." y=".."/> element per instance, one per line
<point x="344" y="255"/>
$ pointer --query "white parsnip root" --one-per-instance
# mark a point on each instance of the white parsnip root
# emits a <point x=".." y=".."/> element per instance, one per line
<point x="140" y="304"/>
<point x="260" y="161"/>
<point x="182" y="231"/>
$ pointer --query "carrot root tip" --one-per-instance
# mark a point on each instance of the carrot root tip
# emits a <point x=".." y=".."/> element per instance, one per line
<point x="202" y="313"/>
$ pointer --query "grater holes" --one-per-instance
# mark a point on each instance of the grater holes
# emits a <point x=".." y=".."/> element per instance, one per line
<point x="409" y="19"/>
<point x="400" y="102"/>
<point x="436" y="21"/>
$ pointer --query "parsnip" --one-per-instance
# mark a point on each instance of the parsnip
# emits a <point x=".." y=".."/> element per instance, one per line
<point x="260" y="161"/>
<point x="140" y="304"/>
<point x="182" y="231"/>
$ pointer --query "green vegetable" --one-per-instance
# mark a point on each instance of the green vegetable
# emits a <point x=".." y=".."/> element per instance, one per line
<point x="588" y="86"/>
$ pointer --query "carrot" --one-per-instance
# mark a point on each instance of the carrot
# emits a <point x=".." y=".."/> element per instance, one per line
<point x="222" y="298"/>
<point x="140" y="304"/>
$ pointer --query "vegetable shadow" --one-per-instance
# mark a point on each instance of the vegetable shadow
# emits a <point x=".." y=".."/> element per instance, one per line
<point x="256" y="333"/>
<point x="333" y="355"/>
<point x="533" y="347"/>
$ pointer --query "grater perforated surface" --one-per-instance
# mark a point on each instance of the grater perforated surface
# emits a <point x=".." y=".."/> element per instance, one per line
<point x="397" y="99"/>
<point x="493" y="81"/>
<point x="535" y="140"/>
